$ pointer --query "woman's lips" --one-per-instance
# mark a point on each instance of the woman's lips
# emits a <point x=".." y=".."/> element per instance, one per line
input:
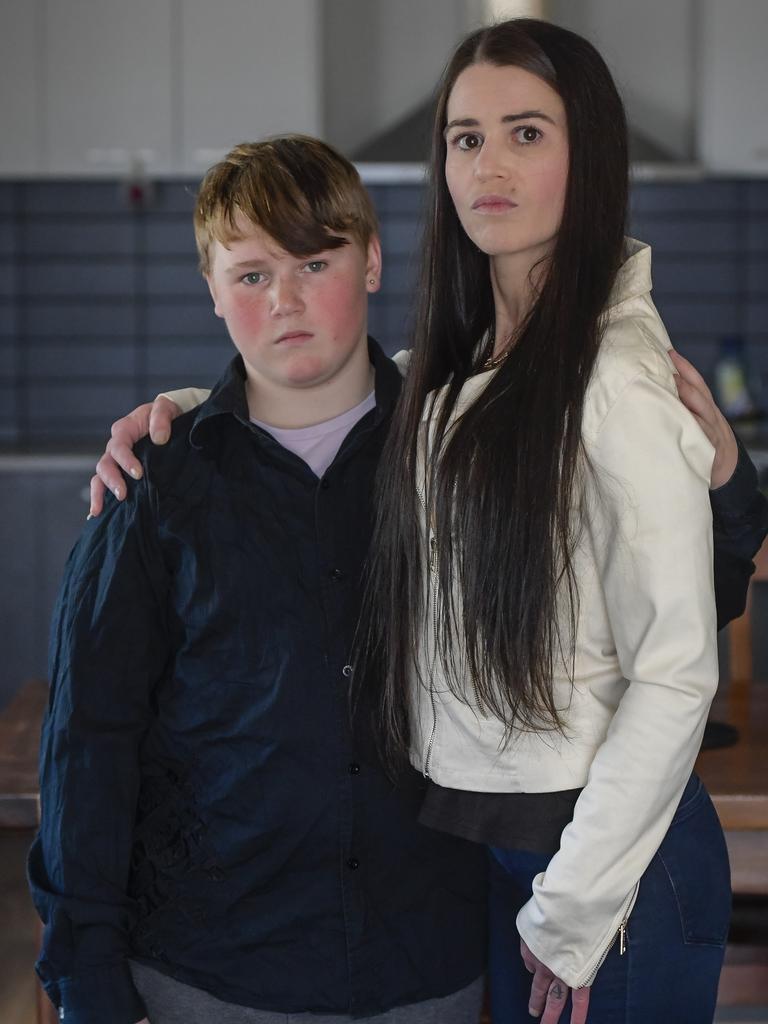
<point x="493" y="204"/>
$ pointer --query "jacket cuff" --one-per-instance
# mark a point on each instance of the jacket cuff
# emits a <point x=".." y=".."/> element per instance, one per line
<point x="104" y="994"/>
<point x="736" y="497"/>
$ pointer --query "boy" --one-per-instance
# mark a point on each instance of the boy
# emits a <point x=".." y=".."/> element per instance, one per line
<point x="217" y="844"/>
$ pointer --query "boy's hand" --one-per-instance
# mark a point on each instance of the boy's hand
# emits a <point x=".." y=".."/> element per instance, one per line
<point x="153" y="418"/>
<point x="696" y="396"/>
<point x="549" y="993"/>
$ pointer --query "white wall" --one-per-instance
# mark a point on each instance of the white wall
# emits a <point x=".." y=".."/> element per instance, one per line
<point x="650" y="49"/>
<point x="382" y="59"/>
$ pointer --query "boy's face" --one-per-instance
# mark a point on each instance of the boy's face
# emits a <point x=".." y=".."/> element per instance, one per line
<point x="295" y="321"/>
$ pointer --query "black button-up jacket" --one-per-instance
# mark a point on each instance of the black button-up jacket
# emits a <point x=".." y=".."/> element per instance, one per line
<point x="206" y="807"/>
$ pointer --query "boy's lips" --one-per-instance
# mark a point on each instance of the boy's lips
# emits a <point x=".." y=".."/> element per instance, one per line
<point x="294" y="336"/>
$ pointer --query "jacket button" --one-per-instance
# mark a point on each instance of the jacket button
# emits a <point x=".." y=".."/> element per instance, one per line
<point x="325" y="483"/>
<point x="337" y="574"/>
<point x="353" y="863"/>
<point x="354" y="768"/>
<point x="347" y="671"/>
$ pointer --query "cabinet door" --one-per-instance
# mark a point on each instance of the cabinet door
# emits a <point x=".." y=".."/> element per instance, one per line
<point x="108" y="85"/>
<point x="247" y="70"/>
<point x="20" y="75"/>
<point x="732" y="127"/>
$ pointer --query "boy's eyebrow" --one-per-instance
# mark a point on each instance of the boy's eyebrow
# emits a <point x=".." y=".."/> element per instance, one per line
<point x="524" y="115"/>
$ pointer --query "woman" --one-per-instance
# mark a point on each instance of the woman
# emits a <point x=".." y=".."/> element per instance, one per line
<point x="549" y="659"/>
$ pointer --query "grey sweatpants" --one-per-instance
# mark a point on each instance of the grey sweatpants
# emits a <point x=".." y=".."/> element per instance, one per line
<point x="172" y="1002"/>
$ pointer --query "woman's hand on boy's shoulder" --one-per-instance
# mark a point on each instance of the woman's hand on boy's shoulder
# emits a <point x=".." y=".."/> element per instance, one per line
<point x="696" y="396"/>
<point x="153" y="418"/>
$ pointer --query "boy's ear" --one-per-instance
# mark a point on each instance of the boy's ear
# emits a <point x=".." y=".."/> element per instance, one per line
<point x="373" y="265"/>
<point x="212" y="290"/>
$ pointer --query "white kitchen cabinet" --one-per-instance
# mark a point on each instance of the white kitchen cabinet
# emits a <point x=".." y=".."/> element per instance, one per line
<point x="732" y="71"/>
<point x="247" y="69"/>
<point x="107" y="86"/>
<point x="20" y="80"/>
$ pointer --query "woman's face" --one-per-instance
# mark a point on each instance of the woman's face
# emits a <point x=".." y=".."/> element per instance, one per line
<point x="506" y="162"/>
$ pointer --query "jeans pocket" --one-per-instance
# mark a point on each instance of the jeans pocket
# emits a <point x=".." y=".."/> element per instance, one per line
<point x="695" y="859"/>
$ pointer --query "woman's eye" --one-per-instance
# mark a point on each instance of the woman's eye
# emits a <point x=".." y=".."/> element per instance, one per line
<point x="527" y="134"/>
<point x="316" y="266"/>
<point x="255" y="277"/>
<point x="467" y="141"/>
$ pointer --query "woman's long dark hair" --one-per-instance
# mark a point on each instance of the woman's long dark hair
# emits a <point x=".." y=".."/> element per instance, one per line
<point x="501" y="497"/>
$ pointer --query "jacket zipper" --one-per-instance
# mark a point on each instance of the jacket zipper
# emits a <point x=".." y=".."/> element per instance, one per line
<point x="622" y="935"/>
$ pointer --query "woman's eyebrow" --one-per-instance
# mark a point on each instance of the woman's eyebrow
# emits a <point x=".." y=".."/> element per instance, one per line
<point x="524" y="115"/>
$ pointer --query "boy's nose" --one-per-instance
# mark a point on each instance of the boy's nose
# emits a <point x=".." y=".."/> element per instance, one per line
<point x="286" y="298"/>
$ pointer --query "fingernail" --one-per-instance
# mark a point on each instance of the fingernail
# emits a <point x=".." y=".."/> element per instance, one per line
<point x="89" y="516"/>
<point x="134" y="473"/>
<point x="163" y="437"/>
<point x="118" y="492"/>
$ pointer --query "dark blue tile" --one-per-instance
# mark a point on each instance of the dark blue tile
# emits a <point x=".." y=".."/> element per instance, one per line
<point x="113" y="237"/>
<point x="757" y="317"/>
<point x="8" y="193"/>
<point x="8" y="318"/>
<point x="104" y="320"/>
<point x="184" y="319"/>
<point x="8" y="356"/>
<point x="7" y="402"/>
<point x="757" y="234"/>
<point x="691" y="236"/>
<point x="174" y="197"/>
<point x="757" y="196"/>
<point x="9" y="432"/>
<point x="399" y="276"/>
<point x="76" y="402"/>
<point x="175" y="279"/>
<point x="675" y="276"/>
<point x="7" y="237"/>
<point x="157" y="384"/>
<point x="406" y="199"/>
<point x="400" y="236"/>
<point x="701" y="352"/>
<point x="68" y="361"/>
<point x="687" y="197"/>
<point x="173" y="360"/>
<point x="90" y="279"/>
<point x="73" y="197"/>
<point x="757" y="276"/>
<point x="7" y="279"/>
<point x="170" y="235"/>
<point x="699" y="317"/>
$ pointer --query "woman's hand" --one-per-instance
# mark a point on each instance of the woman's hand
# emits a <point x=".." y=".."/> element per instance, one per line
<point x="696" y="396"/>
<point x="153" y="418"/>
<point x="549" y="993"/>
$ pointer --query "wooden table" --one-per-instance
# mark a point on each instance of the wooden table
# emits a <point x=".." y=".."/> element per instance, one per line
<point x="19" y="792"/>
<point x="19" y="744"/>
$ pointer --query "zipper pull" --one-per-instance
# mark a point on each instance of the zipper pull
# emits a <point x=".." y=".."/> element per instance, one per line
<point x="622" y="938"/>
<point x="432" y="552"/>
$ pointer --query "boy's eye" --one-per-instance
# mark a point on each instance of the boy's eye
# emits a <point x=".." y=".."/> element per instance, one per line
<point x="254" y="277"/>
<point x="528" y="134"/>
<point x="315" y="266"/>
<point x="467" y="141"/>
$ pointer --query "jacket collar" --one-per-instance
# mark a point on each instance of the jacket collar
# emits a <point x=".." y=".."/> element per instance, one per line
<point x="227" y="400"/>
<point x="633" y="279"/>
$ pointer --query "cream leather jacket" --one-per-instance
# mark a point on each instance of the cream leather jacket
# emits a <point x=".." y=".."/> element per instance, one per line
<point x="646" y="656"/>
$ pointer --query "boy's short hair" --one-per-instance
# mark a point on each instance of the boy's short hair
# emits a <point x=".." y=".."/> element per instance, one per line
<point x="296" y="188"/>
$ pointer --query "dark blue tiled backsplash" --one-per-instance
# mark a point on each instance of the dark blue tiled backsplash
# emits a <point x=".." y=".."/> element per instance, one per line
<point x="101" y="306"/>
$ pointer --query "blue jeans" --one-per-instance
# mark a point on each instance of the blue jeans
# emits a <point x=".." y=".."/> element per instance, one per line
<point x="676" y="934"/>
